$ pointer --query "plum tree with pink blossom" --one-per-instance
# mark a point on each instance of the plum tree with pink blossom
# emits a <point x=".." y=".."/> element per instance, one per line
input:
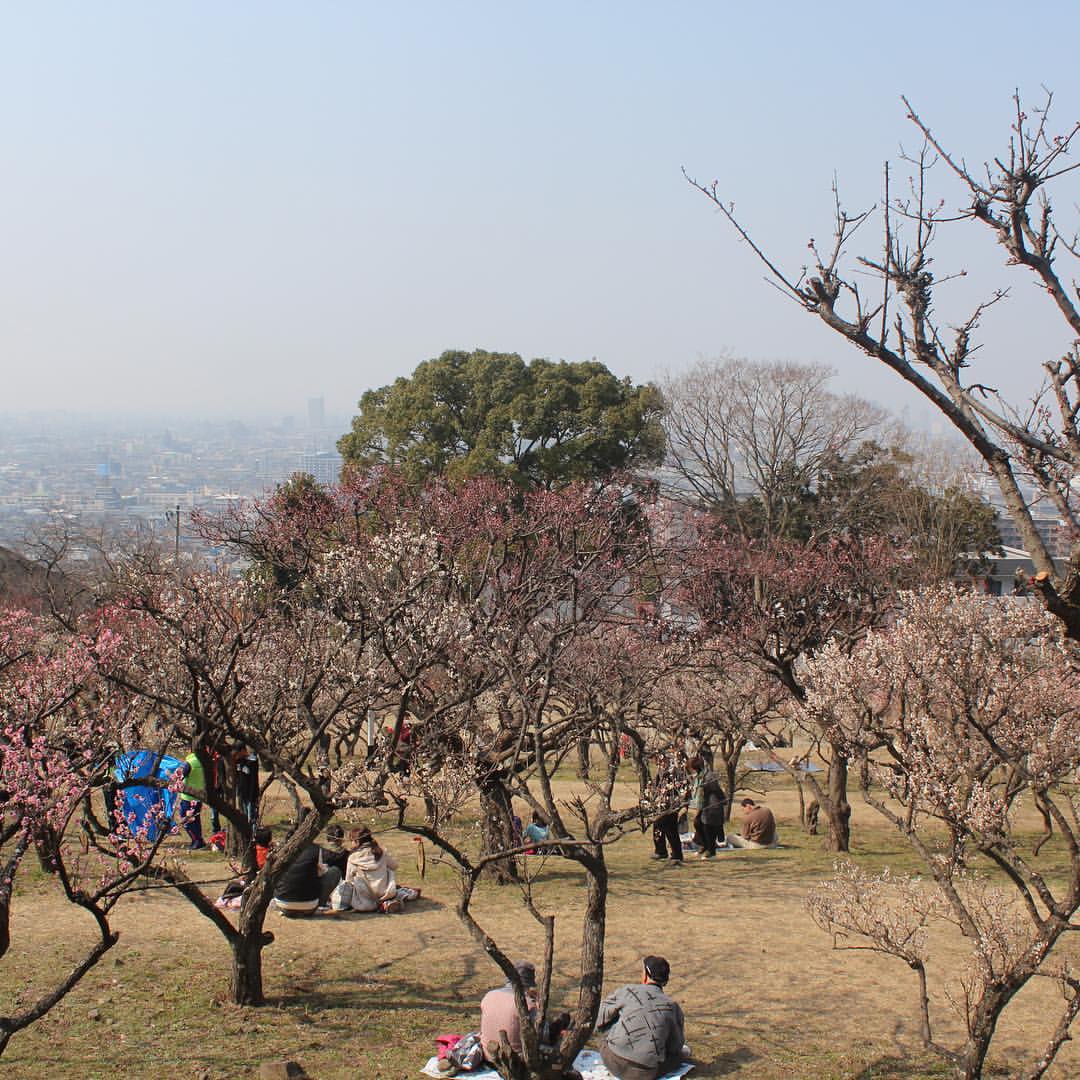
<point x="556" y="589"/>
<point x="957" y="715"/>
<point x="57" y="730"/>
<point x="775" y="603"/>
<point x="291" y="673"/>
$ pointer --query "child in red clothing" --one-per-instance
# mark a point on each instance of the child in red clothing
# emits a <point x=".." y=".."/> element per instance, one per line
<point x="232" y="897"/>
<point x="264" y="841"/>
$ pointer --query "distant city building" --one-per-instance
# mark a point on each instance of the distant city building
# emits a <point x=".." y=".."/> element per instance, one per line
<point x="1055" y="533"/>
<point x="316" y="412"/>
<point x="324" y="465"/>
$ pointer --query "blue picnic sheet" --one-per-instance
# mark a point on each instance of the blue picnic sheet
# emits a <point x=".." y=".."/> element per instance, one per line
<point x="587" y="1063"/>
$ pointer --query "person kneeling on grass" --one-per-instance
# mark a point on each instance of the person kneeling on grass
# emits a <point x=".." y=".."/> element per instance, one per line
<point x="758" y="827"/>
<point x="642" y="1026"/>
<point x="370" y="884"/>
<point x="233" y="895"/>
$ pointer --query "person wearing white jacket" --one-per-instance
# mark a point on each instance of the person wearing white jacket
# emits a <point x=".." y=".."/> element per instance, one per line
<point x="370" y="883"/>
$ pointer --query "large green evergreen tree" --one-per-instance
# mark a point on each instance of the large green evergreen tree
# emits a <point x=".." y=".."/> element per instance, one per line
<point x="541" y="424"/>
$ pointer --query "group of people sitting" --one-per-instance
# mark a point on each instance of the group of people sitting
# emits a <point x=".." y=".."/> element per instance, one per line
<point x="698" y="788"/>
<point x="330" y="879"/>
<point x="642" y="1028"/>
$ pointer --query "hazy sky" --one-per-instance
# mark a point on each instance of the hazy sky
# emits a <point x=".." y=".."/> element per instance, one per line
<point x="234" y="206"/>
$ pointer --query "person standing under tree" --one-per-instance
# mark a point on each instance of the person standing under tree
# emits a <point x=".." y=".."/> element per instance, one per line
<point x="246" y="763"/>
<point x="190" y="800"/>
<point x="707" y="802"/>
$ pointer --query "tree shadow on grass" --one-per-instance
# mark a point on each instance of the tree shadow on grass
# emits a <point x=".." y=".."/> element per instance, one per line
<point x="893" y="1067"/>
<point x="343" y="994"/>
<point x="726" y="1063"/>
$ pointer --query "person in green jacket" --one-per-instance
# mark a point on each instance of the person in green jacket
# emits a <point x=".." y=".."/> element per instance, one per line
<point x="191" y="804"/>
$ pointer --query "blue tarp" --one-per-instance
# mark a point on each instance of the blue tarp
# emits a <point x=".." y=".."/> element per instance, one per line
<point x="148" y="807"/>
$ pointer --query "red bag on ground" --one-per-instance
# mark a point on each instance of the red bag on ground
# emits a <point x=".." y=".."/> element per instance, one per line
<point x="444" y="1044"/>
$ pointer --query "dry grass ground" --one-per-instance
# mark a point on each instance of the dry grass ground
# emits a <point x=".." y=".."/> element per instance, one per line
<point x="363" y="997"/>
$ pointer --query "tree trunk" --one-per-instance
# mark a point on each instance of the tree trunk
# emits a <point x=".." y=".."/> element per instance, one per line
<point x="731" y="767"/>
<point x="511" y="1066"/>
<point x="583" y="758"/>
<point x="837" y="808"/>
<point x="250" y="938"/>
<point x="497" y="825"/>
<point x="592" y="958"/>
<point x="245" y="981"/>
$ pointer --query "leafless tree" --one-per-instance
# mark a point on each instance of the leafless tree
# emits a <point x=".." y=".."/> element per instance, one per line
<point x="768" y="430"/>
<point x="889" y="305"/>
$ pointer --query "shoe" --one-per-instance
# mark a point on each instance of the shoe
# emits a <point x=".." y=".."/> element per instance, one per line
<point x="655" y="856"/>
<point x="675" y="862"/>
<point x="707" y="855"/>
<point x="393" y="907"/>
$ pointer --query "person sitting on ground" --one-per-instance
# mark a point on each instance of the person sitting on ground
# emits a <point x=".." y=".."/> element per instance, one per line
<point x="306" y="885"/>
<point x="643" y="1027"/>
<point x="758" y="827"/>
<point x="333" y="852"/>
<point x="370" y="884"/>
<point x="263" y="841"/>
<point x="498" y="1013"/>
<point x="536" y="832"/>
<point x="232" y="895"/>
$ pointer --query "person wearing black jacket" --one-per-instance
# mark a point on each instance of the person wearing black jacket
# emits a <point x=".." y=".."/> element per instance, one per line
<point x="708" y="804"/>
<point x="306" y="885"/>
<point x="246" y="763"/>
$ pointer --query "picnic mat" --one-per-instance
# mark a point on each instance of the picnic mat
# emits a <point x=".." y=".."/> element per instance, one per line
<point x="587" y="1063"/>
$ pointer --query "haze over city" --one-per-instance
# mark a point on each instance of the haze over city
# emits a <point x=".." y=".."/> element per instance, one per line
<point x="226" y="210"/>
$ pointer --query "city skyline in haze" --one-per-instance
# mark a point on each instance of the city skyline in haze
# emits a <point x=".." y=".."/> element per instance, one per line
<point x="226" y="210"/>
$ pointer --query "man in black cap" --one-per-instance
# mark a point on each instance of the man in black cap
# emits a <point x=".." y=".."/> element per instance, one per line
<point x="643" y="1027"/>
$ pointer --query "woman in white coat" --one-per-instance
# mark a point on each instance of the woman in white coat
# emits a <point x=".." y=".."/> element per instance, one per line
<point x="370" y="883"/>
